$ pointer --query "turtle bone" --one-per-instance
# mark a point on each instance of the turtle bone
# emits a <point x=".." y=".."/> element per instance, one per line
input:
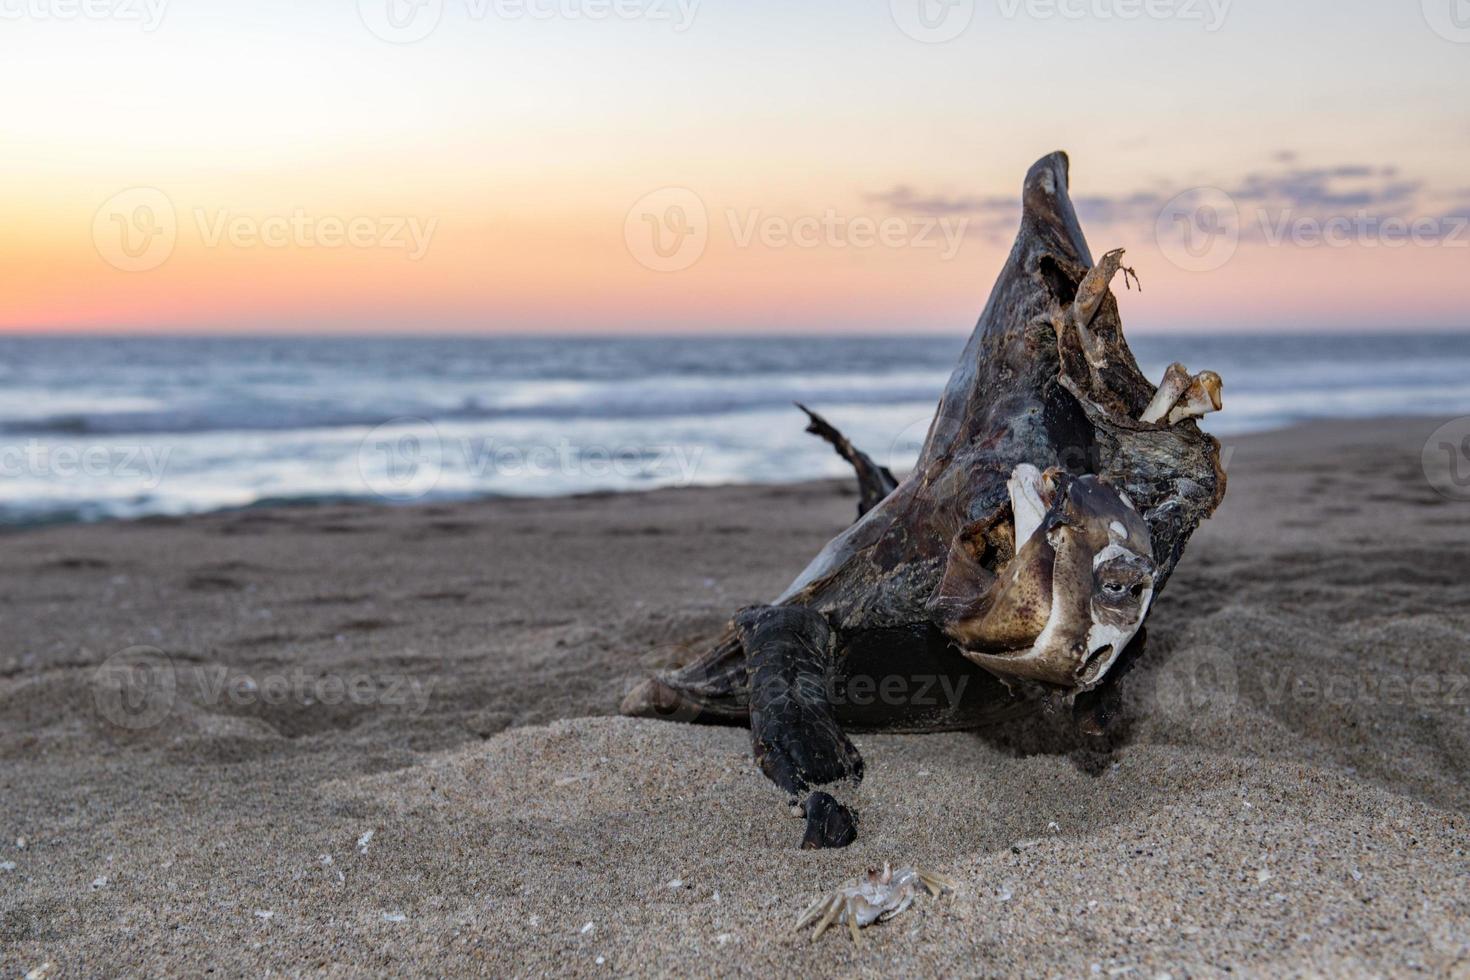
<point x="1201" y="398"/>
<point x="1181" y="396"/>
<point x="1175" y="383"/>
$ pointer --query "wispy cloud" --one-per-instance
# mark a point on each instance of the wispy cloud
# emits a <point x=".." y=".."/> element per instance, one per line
<point x="905" y="199"/>
<point x="1328" y="189"/>
<point x="1285" y="189"/>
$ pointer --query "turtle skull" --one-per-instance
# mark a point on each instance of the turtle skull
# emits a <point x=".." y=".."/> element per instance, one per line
<point x="1072" y="597"/>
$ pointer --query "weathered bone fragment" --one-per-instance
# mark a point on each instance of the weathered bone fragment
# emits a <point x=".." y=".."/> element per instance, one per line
<point x="1027" y="490"/>
<point x="1200" y="398"/>
<point x="1090" y="293"/>
<point x="1183" y="397"/>
<point x="1175" y="384"/>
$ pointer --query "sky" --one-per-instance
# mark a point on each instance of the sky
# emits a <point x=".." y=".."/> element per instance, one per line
<point x="722" y="166"/>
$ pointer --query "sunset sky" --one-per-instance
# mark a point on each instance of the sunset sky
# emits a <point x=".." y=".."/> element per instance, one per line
<point x="720" y="166"/>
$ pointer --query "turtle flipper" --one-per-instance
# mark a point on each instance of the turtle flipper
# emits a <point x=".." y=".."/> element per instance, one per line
<point x="874" y="481"/>
<point x="793" y="727"/>
<point x="711" y="690"/>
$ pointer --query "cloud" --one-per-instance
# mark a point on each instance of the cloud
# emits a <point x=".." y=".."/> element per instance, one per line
<point x="1327" y="189"/>
<point x="904" y="198"/>
<point x="1284" y="190"/>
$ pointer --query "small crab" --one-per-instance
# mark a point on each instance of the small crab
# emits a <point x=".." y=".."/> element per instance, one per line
<point x="876" y="897"/>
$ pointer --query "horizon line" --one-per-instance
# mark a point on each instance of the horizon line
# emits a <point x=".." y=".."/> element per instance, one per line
<point x="711" y="334"/>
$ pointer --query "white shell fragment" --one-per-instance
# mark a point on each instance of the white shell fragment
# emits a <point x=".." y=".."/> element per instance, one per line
<point x="875" y="897"/>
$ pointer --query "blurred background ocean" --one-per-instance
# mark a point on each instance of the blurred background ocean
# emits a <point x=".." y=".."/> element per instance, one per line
<point x="94" y="428"/>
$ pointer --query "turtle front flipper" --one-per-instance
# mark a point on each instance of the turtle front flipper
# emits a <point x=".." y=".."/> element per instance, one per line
<point x="793" y="726"/>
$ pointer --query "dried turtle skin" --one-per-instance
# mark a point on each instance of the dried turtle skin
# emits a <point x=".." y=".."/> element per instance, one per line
<point x="1021" y="554"/>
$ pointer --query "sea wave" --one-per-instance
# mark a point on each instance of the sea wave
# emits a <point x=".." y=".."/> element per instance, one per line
<point x="101" y="428"/>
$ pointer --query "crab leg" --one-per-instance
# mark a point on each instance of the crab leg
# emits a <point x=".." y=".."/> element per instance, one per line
<point x="812" y="912"/>
<point x="834" y="908"/>
<point x="937" y="884"/>
<point x="852" y="926"/>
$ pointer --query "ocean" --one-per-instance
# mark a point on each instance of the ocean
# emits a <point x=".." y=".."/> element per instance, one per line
<point x="99" y="428"/>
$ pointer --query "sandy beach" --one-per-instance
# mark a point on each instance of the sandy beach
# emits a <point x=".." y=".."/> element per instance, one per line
<point x="382" y="741"/>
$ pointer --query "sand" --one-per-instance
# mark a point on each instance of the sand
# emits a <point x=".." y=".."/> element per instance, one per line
<point x="387" y="748"/>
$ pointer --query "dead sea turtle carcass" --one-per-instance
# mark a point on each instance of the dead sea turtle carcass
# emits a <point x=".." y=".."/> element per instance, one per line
<point x="1054" y="494"/>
